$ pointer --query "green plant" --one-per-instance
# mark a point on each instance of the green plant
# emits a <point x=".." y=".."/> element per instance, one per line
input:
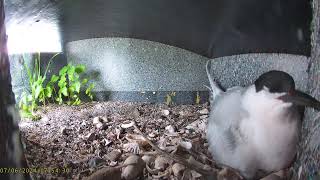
<point x="169" y="98"/>
<point x="65" y="87"/>
<point x="38" y="93"/>
<point x="198" y="98"/>
<point x="70" y="83"/>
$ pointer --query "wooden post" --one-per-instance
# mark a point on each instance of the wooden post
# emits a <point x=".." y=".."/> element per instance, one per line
<point x="12" y="160"/>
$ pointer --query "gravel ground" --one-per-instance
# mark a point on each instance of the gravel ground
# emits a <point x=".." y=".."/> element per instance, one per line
<point x="105" y="140"/>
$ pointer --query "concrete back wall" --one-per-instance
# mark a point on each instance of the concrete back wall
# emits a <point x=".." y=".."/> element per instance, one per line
<point x="140" y="70"/>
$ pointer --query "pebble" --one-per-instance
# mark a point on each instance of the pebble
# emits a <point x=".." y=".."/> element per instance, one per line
<point x="185" y="144"/>
<point x="165" y="112"/>
<point x="204" y="111"/>
<point x="106" y="173"/>
<point x="178" y="169"/>
<point x="136" y="113"/>
<point x="170" y="129"/>
<point x="134" y="170"/>
<point x="148" y="159"/>
<point x="64" y="131"/>
<point x="161" y="163"/>
<point x="114" y="155"/>
<point x="91" y="136"/>
<point x="96" y="120"/>
<point x="127" y="125"/>
<point x="99" y="125"/>
<point x="152" y="135"/>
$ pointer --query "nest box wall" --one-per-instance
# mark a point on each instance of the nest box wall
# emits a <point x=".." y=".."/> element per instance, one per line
<point x="207" y="29"/>
<point x="143" y="50"/>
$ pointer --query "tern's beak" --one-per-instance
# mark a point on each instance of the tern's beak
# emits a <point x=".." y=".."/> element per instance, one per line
<point x="301" y="99"/>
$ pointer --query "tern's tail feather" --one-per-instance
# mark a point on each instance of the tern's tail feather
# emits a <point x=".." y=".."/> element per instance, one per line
<point x="215" y="89"/>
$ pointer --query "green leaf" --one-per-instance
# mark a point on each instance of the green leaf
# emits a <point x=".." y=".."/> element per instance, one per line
<point x="64" y="70"/>
<point x="48" y="92"/>
<point x="62" y="82"/>
<point x="84" y="81"/>
<point x="71" y="89"/>
<point x="54" y="79"/>
<point x="38" y="91"/>
<point x="64" y="91"/>
<point x="70" y="72"/>
<point x="77" y="86"/>
<point x="59" y="100"/>
<point x="80" y="69"/>
<point x="88" y="90"/>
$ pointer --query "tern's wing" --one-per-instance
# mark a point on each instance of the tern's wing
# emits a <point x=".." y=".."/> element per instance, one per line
<point x="225" y="117"/>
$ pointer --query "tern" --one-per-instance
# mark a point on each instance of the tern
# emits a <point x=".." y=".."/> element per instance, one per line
<point x="256" y="129"/>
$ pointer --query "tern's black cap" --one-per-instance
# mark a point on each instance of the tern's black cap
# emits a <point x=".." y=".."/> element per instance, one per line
<point x="276" y="81"/>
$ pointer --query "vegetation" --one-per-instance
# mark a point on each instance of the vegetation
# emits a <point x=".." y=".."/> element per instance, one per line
<point x="63" y="88"/>
<point x="170" y="98"/>
<point x="198" y="98"/>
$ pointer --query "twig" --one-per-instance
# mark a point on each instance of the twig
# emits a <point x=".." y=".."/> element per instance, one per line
<point x="212" y="172"/>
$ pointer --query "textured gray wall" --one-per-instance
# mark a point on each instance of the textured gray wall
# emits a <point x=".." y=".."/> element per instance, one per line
<point x="308" y="164"/>
<point x="126" y="64"/>
<point x="241" y="70"/>
<point x="140" y="70"/>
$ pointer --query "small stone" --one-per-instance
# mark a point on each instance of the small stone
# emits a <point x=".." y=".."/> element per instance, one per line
<point x="152" y="135"/>
<point x="161" y="163"/>
<point x="195" y="174"/>
<point x="133" y="159"/>
<point x="127" y="125"/>
<point x="135" y="113"/>
<point x="91" y="136"/>
<point x="207" y="167"/>
<point x="134" y="168"/>
<point x="148" y="159"/>
<point x="107" y="142"/>
<point x="106" y="173"/>
<point x="83" y="124"/>
<point x="45" y="119"/>
<point x="178" y="169"/>
<point x="113" y="163"/>
<point x="96" y="120"/>
<point x="64" y="131"/>
<point x="114" y="155"/>
<point x="170" y="129"/>
<point x="204" y="111"/>
<point x="105" y="119"/>
<point x="182" y="113"/>
<point x="185" y="144"/>
<point x="165" y="112"/>
<point x="99" y="125"/>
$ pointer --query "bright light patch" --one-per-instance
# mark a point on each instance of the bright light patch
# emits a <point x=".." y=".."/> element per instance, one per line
<point x="33" y="37"/>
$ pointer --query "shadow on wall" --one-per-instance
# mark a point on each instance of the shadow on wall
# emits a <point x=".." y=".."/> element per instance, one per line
<point x="95" y="76"/>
